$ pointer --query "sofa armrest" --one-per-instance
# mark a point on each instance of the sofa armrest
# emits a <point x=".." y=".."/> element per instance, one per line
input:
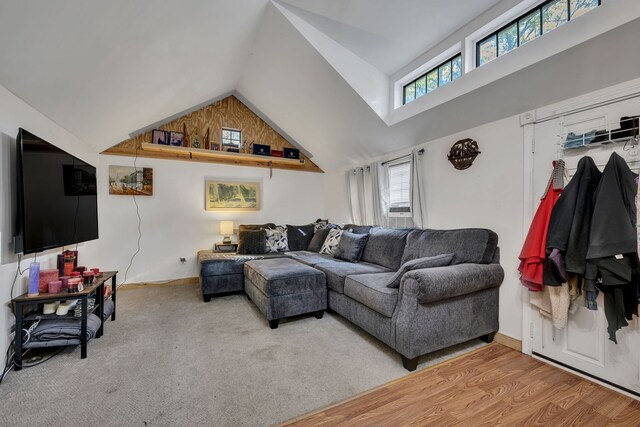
<point x="439" y="283"/>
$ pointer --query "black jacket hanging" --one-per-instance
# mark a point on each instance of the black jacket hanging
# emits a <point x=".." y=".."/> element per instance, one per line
<point x="570" y="223"/>
<point x="612" y="260"/>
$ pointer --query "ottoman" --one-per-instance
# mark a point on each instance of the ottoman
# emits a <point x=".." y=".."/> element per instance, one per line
<point x="223" y="273"/>
<point x="283" y="287"/>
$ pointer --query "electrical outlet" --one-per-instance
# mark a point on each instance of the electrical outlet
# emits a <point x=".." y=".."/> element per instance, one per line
<point x="183" y="260"/>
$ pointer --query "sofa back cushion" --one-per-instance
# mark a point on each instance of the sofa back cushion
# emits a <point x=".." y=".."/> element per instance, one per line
<point x="470" y="245"/>
<point x="385" y="246"/>
<point x="357" y="229"/>
<point x="299" y="236"/>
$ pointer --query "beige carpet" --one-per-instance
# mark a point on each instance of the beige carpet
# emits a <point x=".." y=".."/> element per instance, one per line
<point x="171" y="359"/>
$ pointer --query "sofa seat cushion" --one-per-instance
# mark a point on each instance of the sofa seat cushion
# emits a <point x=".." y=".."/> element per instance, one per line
<point x="283" y="276"/>
<point x="218" y="264"/>
<point x="372" y="291"/>
<point x="337" y="270"/>
<point x="470" y="245"/>
<point x="309" y="258"/>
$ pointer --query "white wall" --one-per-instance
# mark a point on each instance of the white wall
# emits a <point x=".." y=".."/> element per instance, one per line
<point x="15" y="113"/>
<point x="174" y="221"/>
<point x="488" y="195"/>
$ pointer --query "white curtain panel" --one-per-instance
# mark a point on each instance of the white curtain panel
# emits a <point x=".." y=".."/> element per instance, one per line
<point x="380" y="193"/>
<point x="418" y="200"/>
<point x="368" y="196"/>
<point x="357" y="200"/>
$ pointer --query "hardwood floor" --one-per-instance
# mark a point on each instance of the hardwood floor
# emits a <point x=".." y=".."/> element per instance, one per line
<point x="493" y="386"/>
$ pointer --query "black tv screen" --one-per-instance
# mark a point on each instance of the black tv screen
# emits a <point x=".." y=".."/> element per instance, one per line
<point x="57" y="199"/>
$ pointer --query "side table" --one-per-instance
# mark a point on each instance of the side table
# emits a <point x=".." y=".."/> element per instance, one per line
<point x="226" y="247"/>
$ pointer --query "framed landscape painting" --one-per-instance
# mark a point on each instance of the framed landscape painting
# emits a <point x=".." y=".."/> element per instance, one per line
<point x="130" y="181"/>
<point x="220" y="195"/>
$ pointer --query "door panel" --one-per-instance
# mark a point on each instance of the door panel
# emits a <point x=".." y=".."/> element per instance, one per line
<point x="584" y="343"/>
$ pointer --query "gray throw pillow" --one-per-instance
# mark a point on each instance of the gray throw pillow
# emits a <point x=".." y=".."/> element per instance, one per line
<point x="320" y="224"/>
<point x="318" y="239"/>
<point x="418" y="263"/>
<point x="351" y="246"/>
<point x="252" y="242"/>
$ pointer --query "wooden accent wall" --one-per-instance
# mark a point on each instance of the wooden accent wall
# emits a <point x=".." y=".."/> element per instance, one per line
<point x="209" y="121"/>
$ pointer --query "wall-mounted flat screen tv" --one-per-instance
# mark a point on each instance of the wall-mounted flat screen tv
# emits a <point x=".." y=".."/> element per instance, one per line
<point x="57" y="202"/>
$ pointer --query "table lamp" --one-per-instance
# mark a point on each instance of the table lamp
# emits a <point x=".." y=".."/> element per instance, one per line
<point x="226" y="229"/>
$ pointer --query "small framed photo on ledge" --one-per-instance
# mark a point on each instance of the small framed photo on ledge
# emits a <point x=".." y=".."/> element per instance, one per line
<point x="176" y="139"/>
<point x="160" y="137"/>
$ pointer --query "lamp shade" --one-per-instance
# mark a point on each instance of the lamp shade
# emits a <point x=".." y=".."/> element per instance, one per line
<point x="226" y="228"/>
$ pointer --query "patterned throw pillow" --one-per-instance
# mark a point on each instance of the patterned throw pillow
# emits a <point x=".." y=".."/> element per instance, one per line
<point x="331" y="243"/>
<point x="320" y="224"/>
<point x="277" y="239"/>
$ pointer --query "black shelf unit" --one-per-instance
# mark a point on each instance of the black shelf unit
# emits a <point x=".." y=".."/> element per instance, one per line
<point x="25" y="301"/>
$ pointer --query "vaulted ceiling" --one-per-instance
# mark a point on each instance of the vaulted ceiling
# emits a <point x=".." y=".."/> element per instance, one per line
<point x="316" y="68"/>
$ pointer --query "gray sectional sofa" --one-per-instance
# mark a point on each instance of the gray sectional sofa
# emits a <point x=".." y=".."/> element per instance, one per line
<point x="433" y="308"/>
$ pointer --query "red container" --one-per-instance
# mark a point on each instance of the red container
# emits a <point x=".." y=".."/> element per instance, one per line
<point x="277" y="153"/>
<point x="75" y="274"/>
<point x="46" y="276"/>
<point x="73" y="284"/>
<point x="55" y="287"/>
<point x="88" y="277"/>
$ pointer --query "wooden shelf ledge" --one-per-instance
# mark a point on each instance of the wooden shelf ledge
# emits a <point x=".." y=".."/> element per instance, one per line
<point x="196" y="153"/>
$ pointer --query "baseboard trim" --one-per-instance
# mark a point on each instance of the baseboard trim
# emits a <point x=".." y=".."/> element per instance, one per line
<point x="507" y="341"/>
<point x="183" y="281"/>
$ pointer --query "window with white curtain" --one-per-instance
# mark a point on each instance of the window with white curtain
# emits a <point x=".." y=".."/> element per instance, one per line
<point x="400" y="189"/>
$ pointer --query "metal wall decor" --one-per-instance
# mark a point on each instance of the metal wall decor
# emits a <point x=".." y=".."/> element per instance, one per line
<point x="463" y="153"/>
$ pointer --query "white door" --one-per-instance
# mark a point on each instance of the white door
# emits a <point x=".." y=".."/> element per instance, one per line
<point x="584" y="343"/>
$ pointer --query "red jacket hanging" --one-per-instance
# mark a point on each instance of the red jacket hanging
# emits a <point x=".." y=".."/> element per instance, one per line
<point x="535" y="245"/>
